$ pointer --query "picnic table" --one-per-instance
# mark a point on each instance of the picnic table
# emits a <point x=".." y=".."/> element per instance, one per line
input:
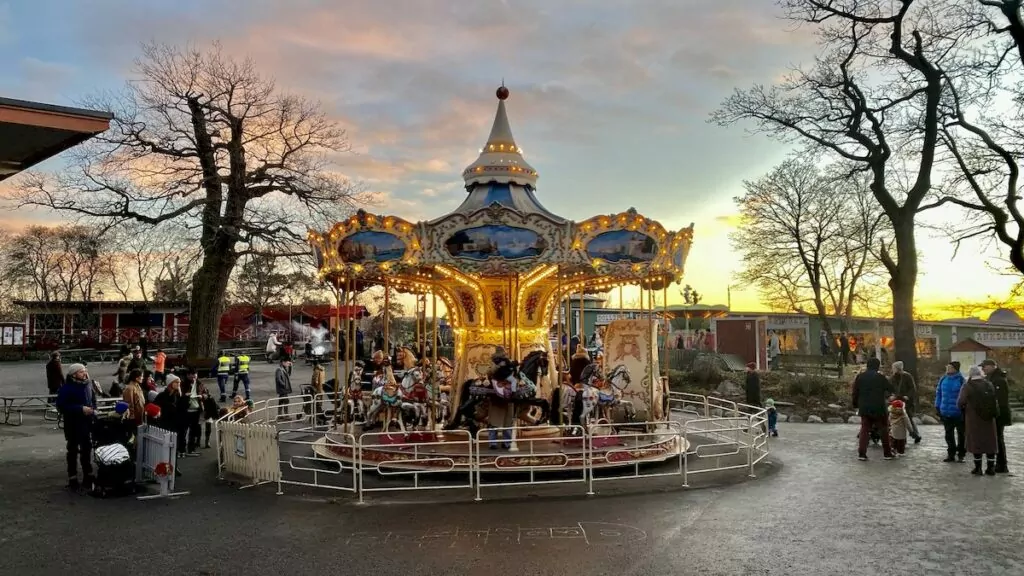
<point x="18" y="405"/>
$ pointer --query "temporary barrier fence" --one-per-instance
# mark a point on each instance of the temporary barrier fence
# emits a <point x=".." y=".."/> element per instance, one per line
<point x="249" y="451"/>
<point x="289" y="448"/>
<point x="395" y="461"/>
<point x="302" y="465"/>
<point x="652" y="437"/>
<point x="156" y="460"/>
<point x="530" y="454"/>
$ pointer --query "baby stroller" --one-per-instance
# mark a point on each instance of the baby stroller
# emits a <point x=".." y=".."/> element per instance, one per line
<point x="115" y="468"/>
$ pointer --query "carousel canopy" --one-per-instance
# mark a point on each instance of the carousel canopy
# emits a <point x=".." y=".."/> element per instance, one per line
<point x="501" y="231"/>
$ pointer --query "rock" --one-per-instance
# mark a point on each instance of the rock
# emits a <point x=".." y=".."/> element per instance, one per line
<point x="853" y="419"/>
<point x="1018" y="416"/>
<point x="783" y="417"/>
<point x="794" y="419"/>
<point x="835" y="420"/>
<point x="835" y="406"/>
<point x="814" y="419"/>
<point x="715" y="413"/>
<point x="727" y="388"/>
<point x="917" y="420"/>
<point x="929" y="420"/>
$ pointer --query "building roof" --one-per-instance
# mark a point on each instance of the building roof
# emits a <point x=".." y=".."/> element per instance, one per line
<point x="969" y="345"/>
<point x="39" y="305"/>
<point x="31" y="132"/>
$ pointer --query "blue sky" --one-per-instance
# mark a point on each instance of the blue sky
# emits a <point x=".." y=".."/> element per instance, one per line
<point x="609" y="97"/>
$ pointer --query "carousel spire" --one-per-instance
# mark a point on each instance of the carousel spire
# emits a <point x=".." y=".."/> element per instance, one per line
<point x="501" y="160"/>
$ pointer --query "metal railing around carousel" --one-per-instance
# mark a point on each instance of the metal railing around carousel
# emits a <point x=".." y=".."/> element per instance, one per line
<point x="705" y="435"/>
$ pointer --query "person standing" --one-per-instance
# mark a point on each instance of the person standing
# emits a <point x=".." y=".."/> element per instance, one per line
<point x="77" y="404"/>
<point x="144" y="344"/>
<point x="223" y="370"/>
<point x="947" y="393"/>
<point x="774" y="350"/>
<point x="172" y="416"/>
<point x="997" y="377"/>
<point x="752" y="386"/>
<point x="241" y="374"/>
<point x="159" y="365"/>
<point x="870" y="391"/>
<point x="135" y="398"/>
<point x="283" y="385"/>
<point x="905" y="388"/>
<point x="54" y="374"/>
<point x="826" y="349"/>
<point x="981" y="409"/>
<point x="844" y="349"/>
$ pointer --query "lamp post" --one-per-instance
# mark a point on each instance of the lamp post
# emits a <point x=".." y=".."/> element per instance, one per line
<point x="99" y="316"/>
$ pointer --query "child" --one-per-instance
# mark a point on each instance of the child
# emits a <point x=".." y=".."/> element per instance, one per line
<point x="773" y="417"/>
<point x="899" y="424"/>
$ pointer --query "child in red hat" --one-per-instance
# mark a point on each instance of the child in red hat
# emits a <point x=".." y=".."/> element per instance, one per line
<point x="899" y="426"/>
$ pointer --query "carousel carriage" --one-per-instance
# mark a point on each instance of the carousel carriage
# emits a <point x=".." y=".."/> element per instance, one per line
<point x="505" y="269"/>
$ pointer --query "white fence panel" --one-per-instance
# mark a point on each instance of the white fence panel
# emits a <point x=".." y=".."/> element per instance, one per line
<point x="649" y="444"/>
<point x="302" y="463"/>
<point x="156" y="459"/>
<point x="250" y="451"/>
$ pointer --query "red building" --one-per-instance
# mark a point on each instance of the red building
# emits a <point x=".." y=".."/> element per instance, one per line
<point x="87" y="324"/>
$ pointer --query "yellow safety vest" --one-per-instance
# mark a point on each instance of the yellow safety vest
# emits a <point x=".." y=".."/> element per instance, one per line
<point x="243" y="364"/>
<point x="223" y="365"/>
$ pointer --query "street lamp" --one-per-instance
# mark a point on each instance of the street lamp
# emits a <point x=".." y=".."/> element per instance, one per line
<point x="99" y="316"/>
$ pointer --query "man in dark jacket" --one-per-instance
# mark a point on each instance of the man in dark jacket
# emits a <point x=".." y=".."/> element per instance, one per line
<point x="283" y="385"/>
<point x="76" y="402"/>
<point x="54" y="374"/>
<point x="844" y="349"/>
<point x="1005" y="418"/>
<point x="870" y="394"/>
<point x="753" y="386"/>
<point x="905" y="388"/>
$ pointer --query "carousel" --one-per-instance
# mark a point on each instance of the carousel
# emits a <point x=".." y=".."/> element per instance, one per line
<point x="505" y="269"/>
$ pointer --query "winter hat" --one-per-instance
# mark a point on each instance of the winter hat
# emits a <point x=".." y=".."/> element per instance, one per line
<point x="751" y="365"/>
<point x="955" y="364"/>
<point x="151" y="396"/>
<point x="171" y="378"/>
<point x="897" y="404"/>
<point x="769" y="403"/>
<point x="897" y="366"/>
<point x="152" y="411"/>
<point x="975" y="373"/>
<point x="121" y="407"/>
<point x="75" y="368"/>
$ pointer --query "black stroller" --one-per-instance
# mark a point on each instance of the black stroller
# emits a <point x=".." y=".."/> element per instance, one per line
<point x="113" y="440"/>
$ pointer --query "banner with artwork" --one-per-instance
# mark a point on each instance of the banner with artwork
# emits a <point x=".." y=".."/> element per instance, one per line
<point x="628" y="343"/>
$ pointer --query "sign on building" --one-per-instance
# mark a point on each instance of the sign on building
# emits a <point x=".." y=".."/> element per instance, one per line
<point x="1001" y="339"/>
<point x="919" y="329"/>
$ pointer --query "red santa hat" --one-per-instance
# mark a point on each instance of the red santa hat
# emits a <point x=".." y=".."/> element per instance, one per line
<point x="897" y="404"/>
<point x="152" y="411"/>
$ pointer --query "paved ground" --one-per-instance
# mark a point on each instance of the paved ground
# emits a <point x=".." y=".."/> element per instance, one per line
<point x="818" y="512"/>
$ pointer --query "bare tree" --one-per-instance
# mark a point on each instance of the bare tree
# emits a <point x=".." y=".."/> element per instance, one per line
<point x="56" y="263"/>
<point x="806" y="241"/>
<point x="984" y="129"/>
<point x="204" y="141"/>
<point x="872" y="99"/>
<point x="140" y="254"/>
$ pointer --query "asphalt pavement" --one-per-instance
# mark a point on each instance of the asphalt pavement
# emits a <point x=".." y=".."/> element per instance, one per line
<point x="814" y="510"/>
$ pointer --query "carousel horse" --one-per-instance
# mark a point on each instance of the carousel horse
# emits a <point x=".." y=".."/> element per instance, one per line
<point x="386" y="396"/>
<point x="443" y="373"/>
<point x="354" y="394"/>
<point x="509" y="394"/>
<point x="609" y="392"/>
<point x="415" y="395"/>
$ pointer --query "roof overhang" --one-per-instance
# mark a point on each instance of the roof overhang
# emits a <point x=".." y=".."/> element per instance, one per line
<point x="31" y="132"/>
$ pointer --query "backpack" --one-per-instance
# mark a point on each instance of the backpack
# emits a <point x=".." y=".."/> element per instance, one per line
<point x="985" y="399"/>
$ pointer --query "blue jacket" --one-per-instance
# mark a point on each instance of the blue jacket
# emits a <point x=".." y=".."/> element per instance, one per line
<point x="71" y="397"/>
<point x="946" y="394"/>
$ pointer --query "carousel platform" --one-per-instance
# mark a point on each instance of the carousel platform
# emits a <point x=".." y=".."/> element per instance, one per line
<point x="444" y="452"/>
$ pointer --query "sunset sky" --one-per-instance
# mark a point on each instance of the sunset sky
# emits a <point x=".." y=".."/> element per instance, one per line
<point x="609" y="100"/>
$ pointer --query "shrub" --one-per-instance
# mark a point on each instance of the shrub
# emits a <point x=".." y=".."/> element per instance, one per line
<point x="818" y="387"/>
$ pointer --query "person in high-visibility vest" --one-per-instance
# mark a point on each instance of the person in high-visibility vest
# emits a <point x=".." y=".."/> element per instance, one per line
<point x="241" y="373"/>
<point x="223" y="370"/>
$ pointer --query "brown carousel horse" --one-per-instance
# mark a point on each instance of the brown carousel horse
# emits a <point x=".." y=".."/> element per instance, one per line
<point x="474" y="397"/>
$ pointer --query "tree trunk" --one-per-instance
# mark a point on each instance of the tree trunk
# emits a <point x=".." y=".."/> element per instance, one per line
<point x="902" y="283"/>
<point x="209" y="287"/>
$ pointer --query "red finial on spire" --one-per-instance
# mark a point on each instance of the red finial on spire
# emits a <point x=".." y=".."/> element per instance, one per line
<point x="502" y="92"/>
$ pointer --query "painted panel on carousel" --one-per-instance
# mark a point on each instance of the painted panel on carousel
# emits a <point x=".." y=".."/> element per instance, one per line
<point x="623" y="246"/>
<point x="627" y="347"/>
<point x="495" y="241"/>
<point x="370" y="246"/>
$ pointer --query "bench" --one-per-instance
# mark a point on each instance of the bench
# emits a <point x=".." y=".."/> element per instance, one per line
<point x="28" y="403"/>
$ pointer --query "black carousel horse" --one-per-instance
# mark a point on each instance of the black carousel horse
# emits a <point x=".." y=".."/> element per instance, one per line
<point x="473" y="392"/>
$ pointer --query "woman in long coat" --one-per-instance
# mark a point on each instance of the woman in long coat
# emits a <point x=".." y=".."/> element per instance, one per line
<point x="980" y="432"/>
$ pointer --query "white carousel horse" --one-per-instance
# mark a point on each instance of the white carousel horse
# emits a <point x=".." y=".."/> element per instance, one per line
<point x="354" y="394"/>
<point x="609" y="393"/>
<point x="596" y="399"/>
<point x="387" y="397"/>
<point x="415" y="395"/>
